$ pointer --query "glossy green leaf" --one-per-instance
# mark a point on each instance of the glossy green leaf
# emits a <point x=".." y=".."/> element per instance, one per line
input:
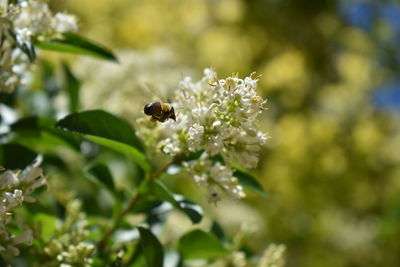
<point x="152" y="248"/>
<point x="73" y="43"/>
<point x="102" y="124"/>
<point x="108" y="130"/>
<point x="71" y="86"/>
<point x="198" y="244"/>
<point x="192" y="210"/>
<point x="14" y="156"/>
<point x="101" y="172"/>
<point x="248" y="181"/>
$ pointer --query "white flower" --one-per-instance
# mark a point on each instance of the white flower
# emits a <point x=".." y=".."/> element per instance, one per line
<point x="27" y="20"/>
<point x="34" y="16"/>
<point x="23" y="35"/>
<point x="217" y="117"/>
<point x="195" y="133"/>
<point x="65" y="23"/>
<point x="8" y="179"/>
<point x="68" y="246"/>
<point x="15" y="187"/>
<point x="216" y="177"/>
<point x="221" y="118"/>
<point x="273" y="256"/>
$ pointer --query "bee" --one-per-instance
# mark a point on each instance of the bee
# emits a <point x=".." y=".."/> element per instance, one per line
<point x="160" y="111"/>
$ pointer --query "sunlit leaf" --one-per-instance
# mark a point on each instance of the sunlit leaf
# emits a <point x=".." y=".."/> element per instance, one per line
<point x="108" y="130"/>
<point x="198" y="244"/>
<point x="102" y="124"/>
<point x="48" y="224"/>
<point x="152" y="248"/>
<point x="128" y="150"/>
<point x="73" y="43"/>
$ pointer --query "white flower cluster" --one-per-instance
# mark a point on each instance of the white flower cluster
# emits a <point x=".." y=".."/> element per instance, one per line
<point x="273" y="256"/>
<point x="216" y="177"/>
<point x="15" y="188"/>
<point x="67" y="248"/>
<point x="218" y="117"/>
<point x="20" y="25"/>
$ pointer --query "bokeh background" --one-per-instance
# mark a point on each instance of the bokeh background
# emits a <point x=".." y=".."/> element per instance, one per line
<point x="330" y="72"/>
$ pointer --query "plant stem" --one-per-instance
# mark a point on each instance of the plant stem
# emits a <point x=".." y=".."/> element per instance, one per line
<point x="101" y="244"/>
<point x="177" y="159"/>
<point x="106" y="236"/>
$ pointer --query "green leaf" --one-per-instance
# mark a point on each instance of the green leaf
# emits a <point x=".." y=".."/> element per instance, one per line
<point x="198" y="244"/>
<point x="101" y="124"/>
<point x="73" y="43"/>
<point x="27" y="125"/>
<point x="152" y="248"/>
<point x="14" y="156"/>
<point x="218" y="231"/>
<point x="128" y="150"/>
<point x="108" y="130"/>
<point x="248" y="181"/>
<point x="71" y="86"/>
<point x="29" y="50"/>
<point x="101" y="172"/>
<point x="163" y="193"/>
<point x="48" y="224"/>
<point x="192" y="210"/>
<point x="36" y="125"/>
<point x="193" y="155"/>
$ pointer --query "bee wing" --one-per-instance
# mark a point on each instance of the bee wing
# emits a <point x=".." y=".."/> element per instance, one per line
<point x="154" y="93"/>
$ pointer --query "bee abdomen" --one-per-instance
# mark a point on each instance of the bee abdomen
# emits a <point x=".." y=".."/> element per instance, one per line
<point x="160" y="111"/>
<point x="153" y="108"/>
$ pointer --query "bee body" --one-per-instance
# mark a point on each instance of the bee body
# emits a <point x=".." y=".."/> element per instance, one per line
<point x="160" y="111"/>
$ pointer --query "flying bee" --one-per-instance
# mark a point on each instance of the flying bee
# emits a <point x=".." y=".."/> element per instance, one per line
<point x="160" y="111"/>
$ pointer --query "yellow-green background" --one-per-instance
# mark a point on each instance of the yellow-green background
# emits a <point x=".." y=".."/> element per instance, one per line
<point x="332" y="167"/>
